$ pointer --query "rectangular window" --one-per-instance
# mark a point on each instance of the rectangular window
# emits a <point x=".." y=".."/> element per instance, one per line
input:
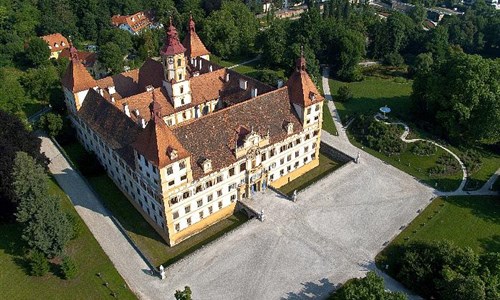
<point x="271" y="178"/>
<point x="219" y="178"/>
<point x="219" y="193"/>
<point x="177" y="227"/>
<point x="289" y="157"/>
<point x="220" y="204"/>
<point x="231" y="172"/>
<point x="317" y="107"/>
<point x="187" y="209"/>
<point x="210" y="198"/>
<point x="182" y="165"/>
<point x="171" y="183"/>
<point x="201" y="215"/>
<point x="188" y="220"/>
<point x="288" y="168"/>
<point x="185" y="195"/>
<point x="183" y="177"/>
<point x="282" y="172"/>
<point x="308" y="110"/>
<point x="296" y="165"/>
<point x="243" y="167"/>
<point x="296" y="153"/>
<point x="199" y="203"/>
<point x="306" y="148"/>
<point x="233" y="198"/>
<point x="175" y="215"/>
<point x="282" y="161"/>
<point x="263" y="157"/>
<point x="210" y="209"/>
<point x="232" y="186"/>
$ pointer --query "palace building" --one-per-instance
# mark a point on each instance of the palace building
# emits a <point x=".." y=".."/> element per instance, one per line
<point x="186" y="139"/>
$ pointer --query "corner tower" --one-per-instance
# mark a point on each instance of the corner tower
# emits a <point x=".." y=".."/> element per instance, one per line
<point x="175" y="69"/>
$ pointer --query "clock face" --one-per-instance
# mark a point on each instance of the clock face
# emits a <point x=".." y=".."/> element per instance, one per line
<point x="170" y="60"/>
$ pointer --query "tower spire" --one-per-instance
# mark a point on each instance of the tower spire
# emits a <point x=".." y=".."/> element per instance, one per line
<point x="301" y="62"/>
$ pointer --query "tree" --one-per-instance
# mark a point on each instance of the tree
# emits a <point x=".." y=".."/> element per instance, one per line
<point x="273" y="43"/>
<point x="369" y="287"/>
<point x="231" y="31"/>
<point x="352" y="49"/>
<point x="45" y="226"/>
<point x="51" y="123"/>
<point x="37" y="53"/>
<point x="38" y="263"/>
<point x="41" y="82"/>
<point x="183" y="295"/>
<point x="13" y="137"/>
<point x="119" y="37"/>
<point x="12" y="96"/>
<point x="345" y="94"/>
<point x="69" y="268"/>
<point x="460" y="96"/>
<point x="111" y="57"/>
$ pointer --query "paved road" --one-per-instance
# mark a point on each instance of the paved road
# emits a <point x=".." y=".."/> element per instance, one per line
<point x="124" y="257"/>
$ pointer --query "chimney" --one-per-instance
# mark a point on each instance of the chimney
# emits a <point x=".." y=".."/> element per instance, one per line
<point x="126" y="110"/>
<point x="201" y="64"/>
<point x="227" y="77"/>
<point x="143" y="123"/>
<point x="280" y="83"/>
<point x="243" y="84"/>
<point x="210" y="68"/>
<point x="113" y="99"/>
<point x="136" y="112"/>
<point x="254" y="92"/>
<point x="149" y="88"/>
<point x="111" y="90"/>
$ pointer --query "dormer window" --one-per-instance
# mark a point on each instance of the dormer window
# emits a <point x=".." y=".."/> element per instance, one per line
<point x="312" y="96"/>
<point x="172" y="154"/>
<point x="207" y="166"/>
<point x="63" y="44"/>
<point x="56" y="45"/>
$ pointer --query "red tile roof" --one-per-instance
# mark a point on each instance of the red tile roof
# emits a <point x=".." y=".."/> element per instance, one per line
<point x="302" y="90"/>
<point x="88" y="59"/>
<point x="192" y="42"/>
<point x="57" y="42"/>
<point x="172" y="44"/>
<point x="77" y="78"/>
<point x="157" y="142"/>
<point x="136" y="22"/>
<point x="214" y="136"/>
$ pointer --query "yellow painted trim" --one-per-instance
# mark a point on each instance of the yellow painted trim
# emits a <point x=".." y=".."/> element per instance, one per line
<point x="201" y="225"/>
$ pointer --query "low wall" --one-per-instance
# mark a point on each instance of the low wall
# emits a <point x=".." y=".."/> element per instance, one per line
<point x="335" y="154"/>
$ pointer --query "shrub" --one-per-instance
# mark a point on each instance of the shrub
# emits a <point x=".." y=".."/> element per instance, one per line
<point x="68" y="268"/>
<point x="445" y="165"/>
<point x="345" y="94"/>
<point x="38" y="264"/>
<point x="76" y="225"/>
<point x="423" y="148"/>
<point x="472" y="160"/>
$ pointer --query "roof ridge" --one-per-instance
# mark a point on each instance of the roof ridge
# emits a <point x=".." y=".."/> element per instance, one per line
<point x="258" y="97"/>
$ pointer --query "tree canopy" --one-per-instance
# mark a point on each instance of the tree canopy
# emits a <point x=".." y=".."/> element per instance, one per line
<point x="461" y="96"/>
<point x="370" y="287"/>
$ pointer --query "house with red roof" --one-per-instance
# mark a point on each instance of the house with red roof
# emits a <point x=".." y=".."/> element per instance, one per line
<point x="56" y="43"/>
<point x="137" y="22"/>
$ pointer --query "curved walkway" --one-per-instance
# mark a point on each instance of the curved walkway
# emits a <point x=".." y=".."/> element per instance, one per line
<point x="409" y="141"/>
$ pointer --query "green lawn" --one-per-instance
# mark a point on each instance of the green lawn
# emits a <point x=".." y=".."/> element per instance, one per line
<point x="326" y="166"/>
<point x="150" y="242"/>
<point x="417" y="166"/>
<point x="490" y="163"/>
<point x="87" y="254"/>
<point x="467" y="221"/>
<point x="328" y="124"/>
<point x="371" y="94"/>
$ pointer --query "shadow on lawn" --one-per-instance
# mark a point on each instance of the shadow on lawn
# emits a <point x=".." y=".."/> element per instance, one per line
<point x="12" y="245"/>
<point x="491" y="244"/>
<point x="486" y="208"/>
<point x="312" y="290"/>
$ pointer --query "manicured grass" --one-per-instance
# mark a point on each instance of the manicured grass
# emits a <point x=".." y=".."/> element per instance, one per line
<point x="371" y="94"/>
<point x="146" y="238"/>
<point x="328" y="124"/>
<point x="490" y="162"/>
<point x="467" y="221"/>
<point x="84" y="250"/>
<point x="326" y="166"/>
<point x="417" y="166"/>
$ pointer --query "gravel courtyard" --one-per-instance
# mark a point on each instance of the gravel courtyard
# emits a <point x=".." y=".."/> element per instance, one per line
<point x="305" y="249"/>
